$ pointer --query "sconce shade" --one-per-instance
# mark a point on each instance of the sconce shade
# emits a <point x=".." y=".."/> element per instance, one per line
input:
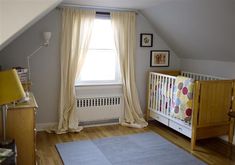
<point x="10" y="87"/>
<point x="47" y="37"/>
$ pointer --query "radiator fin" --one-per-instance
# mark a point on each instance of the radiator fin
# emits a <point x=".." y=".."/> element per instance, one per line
<point x="96" y="102"/>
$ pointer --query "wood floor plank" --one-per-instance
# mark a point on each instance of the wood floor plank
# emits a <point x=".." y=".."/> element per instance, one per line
<point x="212" y="151"/>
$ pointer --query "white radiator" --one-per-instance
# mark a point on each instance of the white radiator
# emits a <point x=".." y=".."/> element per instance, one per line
<point x="99" y="110"/>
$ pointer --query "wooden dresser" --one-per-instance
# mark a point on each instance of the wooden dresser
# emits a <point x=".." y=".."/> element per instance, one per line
<point x="21" y="128"/>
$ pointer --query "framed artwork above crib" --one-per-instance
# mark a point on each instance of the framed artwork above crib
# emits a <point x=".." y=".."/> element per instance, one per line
<point x="159" y="58"/>
<point x="146" y="40"/>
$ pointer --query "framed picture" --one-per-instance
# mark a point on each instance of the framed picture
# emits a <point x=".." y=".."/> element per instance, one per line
<point x="159" y="58"/>
<point x="146" y="40"/>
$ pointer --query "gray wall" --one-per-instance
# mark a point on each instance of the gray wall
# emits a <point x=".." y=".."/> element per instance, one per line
<point x="45" y="65"/>
<point x="143" y="57"/>
<point x="217" y="68"/>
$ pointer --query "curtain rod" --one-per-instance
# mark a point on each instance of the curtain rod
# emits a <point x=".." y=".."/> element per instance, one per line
<point x="102" y="13"/>
<point x="105" y="9"/>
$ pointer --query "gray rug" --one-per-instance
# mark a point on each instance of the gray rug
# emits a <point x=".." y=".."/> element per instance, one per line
<point x="138" y="149"/>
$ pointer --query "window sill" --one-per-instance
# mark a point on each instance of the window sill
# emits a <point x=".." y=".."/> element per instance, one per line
<point x="97" y="85"/>
<point x="88" y="90"/>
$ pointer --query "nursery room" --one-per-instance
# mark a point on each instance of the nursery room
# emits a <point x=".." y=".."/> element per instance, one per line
<point x="117" y="82"/>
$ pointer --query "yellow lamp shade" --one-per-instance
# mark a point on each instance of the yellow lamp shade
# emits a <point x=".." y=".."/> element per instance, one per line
<point x="10" y="87"/>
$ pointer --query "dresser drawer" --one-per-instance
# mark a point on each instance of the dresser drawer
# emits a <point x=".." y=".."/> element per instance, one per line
<point x="180" y="128"/>
<point x="159" y="117"/>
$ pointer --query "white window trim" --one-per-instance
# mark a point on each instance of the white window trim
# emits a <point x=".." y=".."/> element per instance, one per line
<point x="98" y="84"/>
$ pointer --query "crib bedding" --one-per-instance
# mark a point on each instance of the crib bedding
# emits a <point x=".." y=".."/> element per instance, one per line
<point x="181" y="107"/>
<point x="174" y="98"/>
<point x="182" y="99"/>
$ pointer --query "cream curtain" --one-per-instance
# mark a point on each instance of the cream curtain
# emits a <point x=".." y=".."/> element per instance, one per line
<point x="124" y="33"/>
<point x="75" y="38"/>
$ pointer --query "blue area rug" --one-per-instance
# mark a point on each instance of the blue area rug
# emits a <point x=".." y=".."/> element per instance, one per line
<point x="138" y="149"/>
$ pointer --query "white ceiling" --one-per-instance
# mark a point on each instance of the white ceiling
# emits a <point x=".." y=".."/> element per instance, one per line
<point x="127" y="4"/>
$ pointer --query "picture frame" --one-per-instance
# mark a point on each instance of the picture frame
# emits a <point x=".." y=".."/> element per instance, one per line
<point x="159" y="58"/>
<point x="146" y="40"/>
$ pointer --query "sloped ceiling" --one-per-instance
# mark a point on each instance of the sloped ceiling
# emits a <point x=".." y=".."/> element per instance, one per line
<point x="197" y="29"/>
<point x="17" y="15"/>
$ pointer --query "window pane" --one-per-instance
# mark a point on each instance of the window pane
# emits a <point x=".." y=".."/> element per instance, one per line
<point x="102" y="35"/>
<point x="99" y="65"/>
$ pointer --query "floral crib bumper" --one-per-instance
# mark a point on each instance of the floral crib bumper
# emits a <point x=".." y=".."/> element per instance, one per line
<point x="183" y="99"/>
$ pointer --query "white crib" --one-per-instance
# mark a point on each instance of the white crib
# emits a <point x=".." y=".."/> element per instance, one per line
<point x="160" y="99"/>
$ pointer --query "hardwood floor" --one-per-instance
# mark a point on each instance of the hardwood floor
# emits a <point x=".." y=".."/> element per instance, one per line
<point x="212" y="151"/>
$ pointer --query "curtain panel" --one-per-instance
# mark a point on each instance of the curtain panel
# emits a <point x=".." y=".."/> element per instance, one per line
<point x="76" y="32"/>
<point x="124" y="25"/>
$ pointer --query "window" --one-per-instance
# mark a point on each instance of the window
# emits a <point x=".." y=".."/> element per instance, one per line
<point x="101" y="64"/>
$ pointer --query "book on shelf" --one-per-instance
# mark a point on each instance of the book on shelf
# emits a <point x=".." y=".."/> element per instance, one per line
<point x="22" y="73"/>
<point x="21" y="70"/>
<point x="5" y="152"/>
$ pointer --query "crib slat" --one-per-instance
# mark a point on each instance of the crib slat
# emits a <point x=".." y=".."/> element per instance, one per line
<point x="151" y="90"/>
<point x="154" y="91"/>
<point x="156" y="94"/>
<point x="160" y="96"/>
<point x="172" y="91"/>
<point x="167" y="95"/>
<point x="164" y="96"/>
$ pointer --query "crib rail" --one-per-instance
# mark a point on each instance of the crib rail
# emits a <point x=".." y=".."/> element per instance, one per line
<point x="197" y="76"/>
<point x="161" y="92"/>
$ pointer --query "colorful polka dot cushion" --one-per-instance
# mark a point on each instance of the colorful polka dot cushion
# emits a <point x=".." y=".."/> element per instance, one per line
<point x="183" y="98"/>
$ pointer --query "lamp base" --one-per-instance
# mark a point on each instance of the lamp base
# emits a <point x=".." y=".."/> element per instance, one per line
<point x="6" y="142"/>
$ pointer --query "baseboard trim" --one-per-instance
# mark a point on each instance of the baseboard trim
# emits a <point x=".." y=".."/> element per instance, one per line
<point x="44" y="126"/>
<point x="98" y="125"/>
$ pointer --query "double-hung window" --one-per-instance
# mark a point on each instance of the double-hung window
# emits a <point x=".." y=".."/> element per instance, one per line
<point x="101" y="63"/>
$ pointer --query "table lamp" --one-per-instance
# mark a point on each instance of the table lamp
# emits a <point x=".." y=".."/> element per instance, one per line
<point x="10" y="90"/>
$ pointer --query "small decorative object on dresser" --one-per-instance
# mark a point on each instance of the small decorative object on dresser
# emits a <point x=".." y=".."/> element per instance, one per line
<point x="159" y="58"/>
<point x="146" y="40"/>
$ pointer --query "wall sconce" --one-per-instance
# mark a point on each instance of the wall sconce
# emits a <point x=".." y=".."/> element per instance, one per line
<point x="47" y="37"/>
